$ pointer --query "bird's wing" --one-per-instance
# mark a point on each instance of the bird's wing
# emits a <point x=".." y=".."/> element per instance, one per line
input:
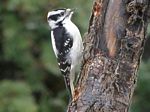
<point x="63" y="44"/>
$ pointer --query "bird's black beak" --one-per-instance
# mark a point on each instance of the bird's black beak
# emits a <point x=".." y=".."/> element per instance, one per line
<point x="70" y="11"/>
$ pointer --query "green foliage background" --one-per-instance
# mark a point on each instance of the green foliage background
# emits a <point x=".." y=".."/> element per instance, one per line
<point x="29" y="77"/>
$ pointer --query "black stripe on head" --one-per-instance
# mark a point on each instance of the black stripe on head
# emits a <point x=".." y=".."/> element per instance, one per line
<point x="54" y="17"/>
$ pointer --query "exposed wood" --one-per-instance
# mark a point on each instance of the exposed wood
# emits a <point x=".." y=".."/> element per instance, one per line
<point x="113" y="48"/>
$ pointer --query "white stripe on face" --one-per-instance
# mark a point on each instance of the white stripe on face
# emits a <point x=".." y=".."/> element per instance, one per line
<point x="54" y="13"/>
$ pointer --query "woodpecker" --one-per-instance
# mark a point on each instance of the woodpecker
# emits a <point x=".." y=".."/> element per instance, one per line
<point x="67" y="44"/>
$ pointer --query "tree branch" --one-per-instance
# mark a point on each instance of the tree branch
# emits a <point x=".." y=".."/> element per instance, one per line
<point x="113" y="48"/>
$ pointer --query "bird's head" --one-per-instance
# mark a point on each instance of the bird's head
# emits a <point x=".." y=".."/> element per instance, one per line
<point x="58" y="17"/>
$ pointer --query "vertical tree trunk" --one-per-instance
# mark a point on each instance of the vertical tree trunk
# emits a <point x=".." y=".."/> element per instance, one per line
<point x="113" y="48"/>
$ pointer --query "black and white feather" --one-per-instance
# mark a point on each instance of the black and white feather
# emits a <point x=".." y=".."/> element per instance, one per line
<point x="66" y="42"/>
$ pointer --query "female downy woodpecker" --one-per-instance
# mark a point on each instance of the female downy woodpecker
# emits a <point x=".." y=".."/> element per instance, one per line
<point x="67" y="44"/>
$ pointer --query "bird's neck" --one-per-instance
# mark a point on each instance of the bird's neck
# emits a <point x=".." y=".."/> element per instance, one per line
<point x="62" y="23"/>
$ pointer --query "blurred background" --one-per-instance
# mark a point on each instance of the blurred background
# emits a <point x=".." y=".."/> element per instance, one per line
<point x="30" y="80"/>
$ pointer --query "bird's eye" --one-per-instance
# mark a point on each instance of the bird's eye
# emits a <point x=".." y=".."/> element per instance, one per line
<point x="62" y="13"/>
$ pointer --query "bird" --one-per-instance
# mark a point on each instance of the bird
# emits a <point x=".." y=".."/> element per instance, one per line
<point x="66" y="43"/>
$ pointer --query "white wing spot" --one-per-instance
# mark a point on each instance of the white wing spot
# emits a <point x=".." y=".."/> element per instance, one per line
<point x="64" y="70"/>
<point x="67" y="41"/>
<point x="64" y="62"/>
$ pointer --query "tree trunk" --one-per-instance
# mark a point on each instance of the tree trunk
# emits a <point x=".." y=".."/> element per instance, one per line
<point x="113" y="48"/>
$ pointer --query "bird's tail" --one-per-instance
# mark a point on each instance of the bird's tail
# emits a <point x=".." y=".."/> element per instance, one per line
<point x="68" y="87"/>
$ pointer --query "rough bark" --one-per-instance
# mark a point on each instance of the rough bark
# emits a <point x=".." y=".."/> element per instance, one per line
<point x="113" y="48"/>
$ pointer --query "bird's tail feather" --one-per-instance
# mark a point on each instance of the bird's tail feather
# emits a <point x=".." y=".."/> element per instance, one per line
<point x="67" y="83"/>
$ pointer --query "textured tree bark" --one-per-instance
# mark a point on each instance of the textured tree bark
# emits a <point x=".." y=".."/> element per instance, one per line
<point x="113" y="48"/>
